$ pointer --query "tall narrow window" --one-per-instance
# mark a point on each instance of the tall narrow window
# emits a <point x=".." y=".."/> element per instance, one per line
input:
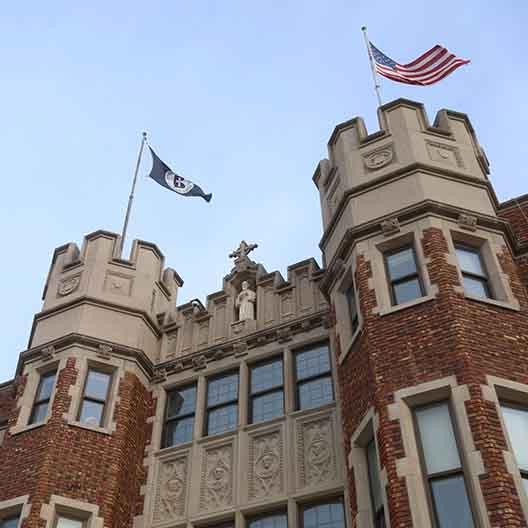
<point x="95" y="397"/>
<point x="68" y="522"/>
<point x="352" y="308"/>
<point x="266" y="391"/>
<point x="443" y="467"/>
<point x="314" y="378"/>
<point x="376" y="496"/>
<point x="42" y="398"/>
<point x="10" y="522"/>
<point x="474" y="273"/>
<point x="222" y="404"/>
<point x="516" y="420"/>
<point x="3" y="429"/>
<point x="404" y="280"/>
<point x="179" y="416"/>
<point x="324" y="515"/>
<point x="272" y="520"/>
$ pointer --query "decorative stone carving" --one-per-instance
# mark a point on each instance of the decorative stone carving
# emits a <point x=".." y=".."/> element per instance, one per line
<point x="199" y="362"/>
<point x="379" y="158"/>
<point x="284" y="335"/>
<point x="316" y="452"/>
<point x="118" y="283"/>
<point x="68" y="285"/>
<point x="468" y="222"/>
<point x="171" y="490"/>
<point x="266" y="465"/>
<point x="390" y="226"/>
<point x="160" y="375"/>
<point x="217" y="478"/>
<point x="47" y="353"/>
<point x="104" y="351"/>
<point x="245" y="302"/>
<point x="287" y="304"/>
<point x="240" y="349"/>
<point x="176" y="366"/>
<point x="244" y="249"/>
<point x="448" y="154"/>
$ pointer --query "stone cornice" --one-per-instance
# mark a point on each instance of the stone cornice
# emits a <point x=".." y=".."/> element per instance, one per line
<point x="403" y="172"/>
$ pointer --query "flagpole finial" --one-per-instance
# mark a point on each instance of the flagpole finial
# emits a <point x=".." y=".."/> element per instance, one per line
<point x="144" y="134"/>
<point x="363" y="28"/>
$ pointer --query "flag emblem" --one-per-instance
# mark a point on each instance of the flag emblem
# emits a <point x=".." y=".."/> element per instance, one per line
<point x="177" y="183"/>
<point x="429" y="68"/>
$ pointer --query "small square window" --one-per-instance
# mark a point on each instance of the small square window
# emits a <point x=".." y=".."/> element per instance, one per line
<point x="42" y="398"/>
<point x="314" y="378"/>
<point x="404" y="280"/>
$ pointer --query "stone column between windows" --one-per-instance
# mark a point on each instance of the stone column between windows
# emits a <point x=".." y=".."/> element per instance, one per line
<point x="199" y="416"/>
<point x="409" y="467"/>
<point x="243" y="390"/>
<point x="289" y="381"/>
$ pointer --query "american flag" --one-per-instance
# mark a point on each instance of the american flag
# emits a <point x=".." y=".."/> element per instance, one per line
<point x="428" y="68"/>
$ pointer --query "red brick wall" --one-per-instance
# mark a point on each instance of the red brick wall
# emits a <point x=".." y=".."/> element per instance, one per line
<point x="448" y="336"/>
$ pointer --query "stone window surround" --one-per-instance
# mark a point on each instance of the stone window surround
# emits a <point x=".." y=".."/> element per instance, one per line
<point x="489" y="245"/>
<point x="59" y="505"/>
<point x="357" y="461"/>
<point x="496" y="390"/>
<point x="409" y="467"/>
<point x="25" y="402"/>
<point x="18" y="505"/>
<point x="344" y="324"/>
<point x="375" y="249"/>
<point x="112" y="365"/>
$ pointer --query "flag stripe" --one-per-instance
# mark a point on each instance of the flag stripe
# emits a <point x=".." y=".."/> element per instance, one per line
<point x="430" y="67"/>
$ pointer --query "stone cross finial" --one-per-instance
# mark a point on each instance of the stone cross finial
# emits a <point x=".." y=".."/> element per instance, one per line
<point x="244" y="249"/>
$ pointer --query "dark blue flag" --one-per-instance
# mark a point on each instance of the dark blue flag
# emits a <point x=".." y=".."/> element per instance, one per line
<point x="162" y="174"/>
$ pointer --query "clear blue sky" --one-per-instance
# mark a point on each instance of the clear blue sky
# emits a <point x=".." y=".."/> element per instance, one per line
<point x="240" y="96"/>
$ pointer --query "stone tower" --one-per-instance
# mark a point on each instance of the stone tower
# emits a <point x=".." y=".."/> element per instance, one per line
<point x="425" y="273"/>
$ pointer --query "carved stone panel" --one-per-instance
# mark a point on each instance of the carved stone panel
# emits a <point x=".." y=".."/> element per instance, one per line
<point x="68" y="285"/>
<point x="378" y="158"/>
<point x="316" y="452"/>
<point x="448" y="154"/>
<point x="203" y="333"/>
<point x="287" y="306"/>
<point x="305" y="292"/>
<point x="118" y="283"/>
<point x="217" y="478"/>
<point x="269" y="306"/>
<point x="171" y="490"/>
<point x="220" y="321"/>
<point x="266" y="465"/>
<point x="188" y="327"/>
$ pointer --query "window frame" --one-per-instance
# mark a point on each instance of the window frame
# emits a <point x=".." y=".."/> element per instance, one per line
<point x="228" y="403"/>
<point x="320" y="502"/>
<point x="179" y="417"/>
<point x="377" y="515"/>
<point x="105" y="402"/>
<point x="482" y="279"/>
<point x="514" y="405"/>
<point x="353" y="307"/>
<point x="406" y="278"/>
<point x="68" y="517"/>
<point x="252" y="395"/>
<point x="267" y="513"/>
<point x="11" y="517"/>
<point x="48" y="400"/>
<point x="426" y="478"/>
<point x="298" y="382"/>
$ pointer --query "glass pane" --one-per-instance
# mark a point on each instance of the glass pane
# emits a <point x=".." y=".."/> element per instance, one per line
<point x="352" y="307"/>
<point x="525" y="484"/>
<point x="46" y="386"/>
<point x="329" y="515"/>
<point x="516" y="421"/>
<point x="407" y="291"/>
<point x="312" y="362"/>
<point x="222" y="419"/>
<point x="222" y="389"/>
<point x="97" y="384"/>
<point x="470" y="261"/>
<point x="279" y="520"/>
<point x="12" y="522"/>
<point x="267" y="406"/>
<point x="181" y="401"/>
<point x="91" y="413"/>
<point x="451" y="503"/>
<point x="267" y="376"/>
<point x="315" y="393"/>
<point x="179" y="431"/>
<point x="401" y="264"/>
<point x="375" y="483"/>
<point x="40" y="411"/>
<point x="438" y="439"/>
<point x="63" y="522"/>
<point x="475" y="287"/>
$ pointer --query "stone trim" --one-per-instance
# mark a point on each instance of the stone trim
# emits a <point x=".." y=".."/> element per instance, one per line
<point x="409" y="467"/>
<point x="357" y="461"/>
<point x="25" y="402"/>
<point x="20" y="505"/>
<point x="59" y="505"/>
<point x="496" y="389"/>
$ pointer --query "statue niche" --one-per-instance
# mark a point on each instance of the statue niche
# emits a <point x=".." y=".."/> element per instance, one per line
<point x="245" y="303"/>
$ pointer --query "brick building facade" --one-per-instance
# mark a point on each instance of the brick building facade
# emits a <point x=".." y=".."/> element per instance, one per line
<point x="388" y="388"/>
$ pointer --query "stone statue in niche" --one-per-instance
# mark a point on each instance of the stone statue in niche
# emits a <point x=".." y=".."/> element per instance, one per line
<point x="245" y="303"/>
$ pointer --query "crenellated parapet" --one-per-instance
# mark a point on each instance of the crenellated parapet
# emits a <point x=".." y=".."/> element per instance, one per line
<point x="371" y="177"/>
<point x="94" y="291"/>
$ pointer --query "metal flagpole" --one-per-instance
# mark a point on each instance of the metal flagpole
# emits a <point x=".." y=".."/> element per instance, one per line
<point x="131" y="197"/>
<point x="372" y="66"/>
